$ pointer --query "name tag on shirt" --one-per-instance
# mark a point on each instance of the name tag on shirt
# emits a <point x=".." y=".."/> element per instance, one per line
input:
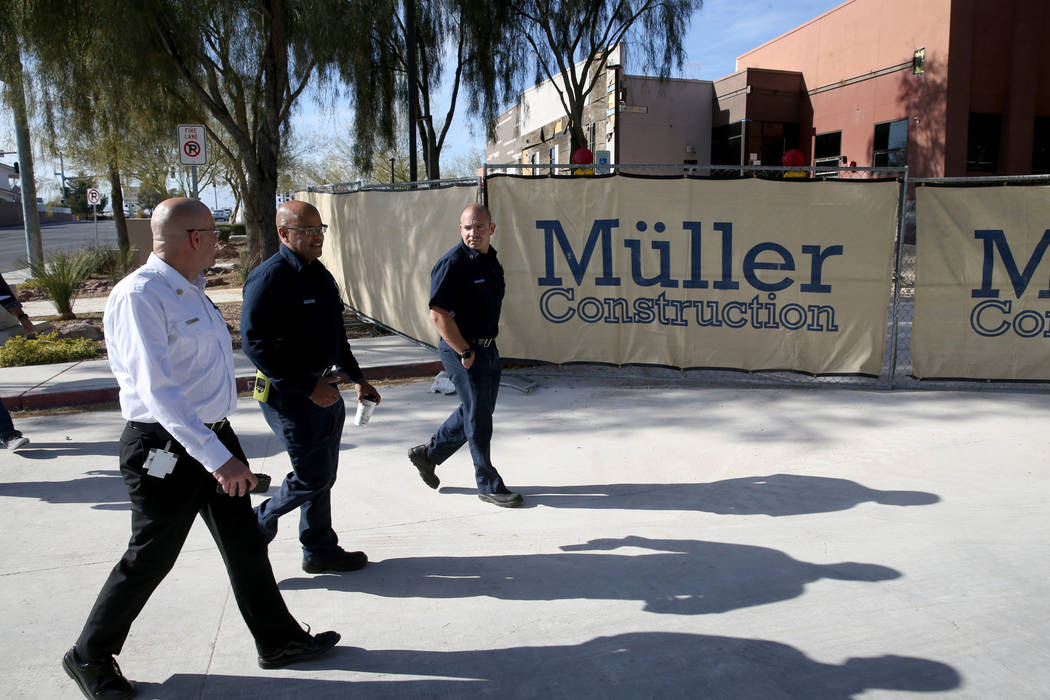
<point x="480" y="281"/>
<point x="309" y="301"/>
<point x="192" y="321"/>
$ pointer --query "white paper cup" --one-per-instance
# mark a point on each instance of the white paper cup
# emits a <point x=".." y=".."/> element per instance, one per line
<point x="364" y="411"/>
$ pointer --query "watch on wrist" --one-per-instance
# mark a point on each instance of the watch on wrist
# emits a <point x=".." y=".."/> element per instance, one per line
<point x="467" y="355"/>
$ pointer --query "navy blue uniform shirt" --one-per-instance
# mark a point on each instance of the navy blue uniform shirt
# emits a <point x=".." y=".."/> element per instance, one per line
<point x="292" y="323"/>
<point x="470" y="286"/>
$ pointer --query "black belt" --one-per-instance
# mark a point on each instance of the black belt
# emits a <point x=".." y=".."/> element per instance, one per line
<point x="481" y="342"/>
<point x="158" y="428"/>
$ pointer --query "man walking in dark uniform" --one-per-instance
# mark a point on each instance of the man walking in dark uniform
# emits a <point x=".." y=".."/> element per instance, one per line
<point x="466" y="294"/>
<point x="292" y="329"/>
<point x="171" y="354"/>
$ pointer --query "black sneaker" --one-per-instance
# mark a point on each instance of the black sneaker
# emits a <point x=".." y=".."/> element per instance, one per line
<point x="418" y="456"/>
<point x="97" y="680"/>
<point x="507" y="499"/>
<point x="340" y="561"/>
<point x="303" y="650"/>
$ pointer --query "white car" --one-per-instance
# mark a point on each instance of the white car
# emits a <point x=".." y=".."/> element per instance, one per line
<point x="221" y="214"/>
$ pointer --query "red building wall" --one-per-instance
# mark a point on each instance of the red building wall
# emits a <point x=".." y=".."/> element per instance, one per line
<point x="979" y="57"/>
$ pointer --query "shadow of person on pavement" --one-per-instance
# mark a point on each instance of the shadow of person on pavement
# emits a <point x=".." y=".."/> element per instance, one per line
<point x="70" y="448"/>
<point x="618" y="667"/>
<point x="686" y="577"/>
<point x="103" y="489"/>
<point x="774" y="495"/>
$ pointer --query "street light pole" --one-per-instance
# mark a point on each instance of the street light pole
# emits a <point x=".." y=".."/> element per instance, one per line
<point x="62" y="174"/>
<point x="410" y="55"/>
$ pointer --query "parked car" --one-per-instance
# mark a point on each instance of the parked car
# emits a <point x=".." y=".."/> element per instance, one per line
<point x="221" y="214"/>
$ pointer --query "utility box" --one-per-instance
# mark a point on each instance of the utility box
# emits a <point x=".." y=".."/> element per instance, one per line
<point x="141" y="239"/>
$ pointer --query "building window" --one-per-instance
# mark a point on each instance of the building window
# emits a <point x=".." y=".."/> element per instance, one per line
<point x="891" y="144"/>
<point x="554" y="154"/>
<point x="918" y="62"/>
<point x="592" y="137"/>
<point x="725" y="144"/>
<point x="982" y="142"/>
<point x="826" y="151"/>
<point x="1041" y="146"/>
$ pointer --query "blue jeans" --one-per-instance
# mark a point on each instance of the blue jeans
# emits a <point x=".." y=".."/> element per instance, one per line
<point x="311" y="435"/>
<point x="471" y="423"/>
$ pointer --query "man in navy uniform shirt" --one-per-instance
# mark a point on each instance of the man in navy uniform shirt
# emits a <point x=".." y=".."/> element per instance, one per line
<point x="292" y="329"/>
<point x="466" y="294"/>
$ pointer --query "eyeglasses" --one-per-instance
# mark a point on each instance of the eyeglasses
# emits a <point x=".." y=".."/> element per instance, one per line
<point x="212" y="231"/>
<point x="307" y="229"/>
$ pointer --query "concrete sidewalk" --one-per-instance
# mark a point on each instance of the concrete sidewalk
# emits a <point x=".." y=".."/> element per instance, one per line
<point x="677" y="541"/>
<point x="91" y="382"/>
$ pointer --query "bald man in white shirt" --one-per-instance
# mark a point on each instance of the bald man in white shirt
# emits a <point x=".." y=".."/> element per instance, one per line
<point x="172" y="356"/>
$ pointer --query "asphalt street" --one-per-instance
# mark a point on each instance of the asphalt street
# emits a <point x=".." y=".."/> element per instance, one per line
<point x="76" y="234"/>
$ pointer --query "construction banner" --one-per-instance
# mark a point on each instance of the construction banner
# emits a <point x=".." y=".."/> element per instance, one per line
<point x="381" y="246"/>
<point x="982" y="290"/>
<point x="743" y="274"/>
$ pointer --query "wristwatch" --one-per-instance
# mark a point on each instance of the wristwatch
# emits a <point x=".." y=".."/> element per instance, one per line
<point x="467" y="355"/>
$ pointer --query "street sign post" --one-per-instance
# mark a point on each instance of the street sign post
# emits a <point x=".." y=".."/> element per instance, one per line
<point x="193" y="146"/>
<point x="193" y="150"/>
<point x="93" y="199"/>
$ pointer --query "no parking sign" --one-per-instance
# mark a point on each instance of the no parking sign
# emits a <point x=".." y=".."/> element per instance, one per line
<point x="193" y="148"/>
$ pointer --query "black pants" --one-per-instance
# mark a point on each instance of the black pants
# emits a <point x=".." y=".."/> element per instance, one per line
<point x="162" y="512"/>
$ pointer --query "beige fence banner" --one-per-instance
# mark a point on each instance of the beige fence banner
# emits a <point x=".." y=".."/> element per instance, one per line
<point x="982" y="296"/>
<point x="381" y="246"/>
<point x="746" y="274"/>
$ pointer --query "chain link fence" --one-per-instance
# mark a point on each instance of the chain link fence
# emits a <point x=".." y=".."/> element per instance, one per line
<point x="904" y="301"/>
<point x="897" y="364"/>
<point x="361" y="186"/>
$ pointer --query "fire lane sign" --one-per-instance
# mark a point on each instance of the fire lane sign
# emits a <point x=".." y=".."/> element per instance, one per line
<point x="193" y="149"/>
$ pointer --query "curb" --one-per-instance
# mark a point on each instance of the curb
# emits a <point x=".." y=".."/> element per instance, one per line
<point x="88" y="397"/>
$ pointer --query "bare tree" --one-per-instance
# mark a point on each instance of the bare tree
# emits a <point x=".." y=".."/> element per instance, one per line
<point x="569" y="42"/>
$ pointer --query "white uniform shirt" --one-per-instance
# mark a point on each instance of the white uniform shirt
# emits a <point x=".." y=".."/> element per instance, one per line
<point x="171" y="353"/>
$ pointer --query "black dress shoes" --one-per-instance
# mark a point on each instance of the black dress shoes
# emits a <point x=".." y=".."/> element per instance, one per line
<point x="304" y="650"/>
<point x="340" y="561"/>
<point x="99" y="680"/>
<point x="418" y="456"/>
<point x="506" y="499"/>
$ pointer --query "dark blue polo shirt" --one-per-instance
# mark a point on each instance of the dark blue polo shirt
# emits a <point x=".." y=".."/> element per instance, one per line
<point x="292" y="323"/>
<point x="470" y="286"/>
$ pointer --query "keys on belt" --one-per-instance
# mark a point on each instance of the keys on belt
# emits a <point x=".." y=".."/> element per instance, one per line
<point x="481" y="342"/>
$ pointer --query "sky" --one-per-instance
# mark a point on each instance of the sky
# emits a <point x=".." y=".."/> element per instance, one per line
<point x="718" y="33"/>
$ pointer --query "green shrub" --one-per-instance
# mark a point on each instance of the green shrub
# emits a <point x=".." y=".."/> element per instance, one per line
<point x="100" y="259"/>
<point x="31" y="283"/>
<point x="247" y="263"/>
<point x="227" y="230"/>
<point x="46" y="349"/>
<point x="110" y="262"/>
<point x="60" y="278"/>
